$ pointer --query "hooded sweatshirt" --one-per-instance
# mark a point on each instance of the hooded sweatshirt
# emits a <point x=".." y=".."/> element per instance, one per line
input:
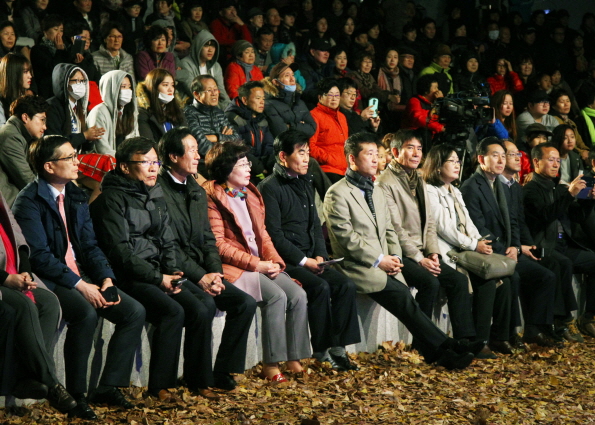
<point x="60" y="115"/>
<point x="191" y="67"/>
<point x="105" y="114"/>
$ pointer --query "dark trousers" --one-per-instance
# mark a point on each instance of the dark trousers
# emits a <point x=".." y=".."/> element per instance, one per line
<point x="565" y="300"/>
<point x="332" y="312"/>
<point x="320" y="181"/>
<point x="491" y="308"/>
<point x="397" y="299"/>
<point x="7" y="320"/>
<point x="239" y="308"/>
<point x="536" y="287"/>
<point x="457" y="292"/>
<point x="583" y="261"/>
<point x="35" y="325"/>
<point x="82" y="318"/>
<point x="190" y="308"/>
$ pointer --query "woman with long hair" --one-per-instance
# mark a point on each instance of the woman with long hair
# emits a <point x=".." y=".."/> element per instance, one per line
<point x="455" y="230"/>
<point x="503" y="105"/>
<point x="15" y="80"/>
<point x="564" y="140"/>
<point x="251" y="262"/>
<point x="159" y="106"/>
<point x="562" y="102"/>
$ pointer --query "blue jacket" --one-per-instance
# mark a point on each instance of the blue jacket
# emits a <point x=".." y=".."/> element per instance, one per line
<point x="37" y="213"/>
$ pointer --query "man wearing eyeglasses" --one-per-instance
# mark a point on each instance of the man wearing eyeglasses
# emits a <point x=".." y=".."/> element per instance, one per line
<point x="26" y="124"/>
<point x="207" y="122"/>
<point x="132" y="222"/>
<point x="565" y="301"/>
<point x="489" y="204"/>
<point x="54" y="217"/>
<point x="537" y="112"/>
<point x="552" y="209"/>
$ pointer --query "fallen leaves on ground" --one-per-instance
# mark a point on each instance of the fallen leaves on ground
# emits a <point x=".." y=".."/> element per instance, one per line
<point x="394" y="385"/>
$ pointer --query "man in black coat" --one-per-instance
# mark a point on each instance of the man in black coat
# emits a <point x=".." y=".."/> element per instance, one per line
<point x="487" y="200"/>
<point x="550" y="209"/>
<point x="565" y="301"/>
<point x="293" y="224"/>
<point x="199" y="257"/>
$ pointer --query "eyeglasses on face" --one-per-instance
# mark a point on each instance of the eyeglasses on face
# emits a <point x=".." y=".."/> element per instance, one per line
<point x="454" y="161"/>
<point x="74" y="81"/>
<point x="72" y="158"/>
<point x="245" y="165"/>
<point x="146" y="163"/>
<point x="512" y="155"/>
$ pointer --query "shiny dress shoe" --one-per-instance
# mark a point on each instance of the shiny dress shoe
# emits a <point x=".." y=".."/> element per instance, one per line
<point x="208" y="394"/>
<point x="587" y="326"/>
<point x="82" y="410"/>
<point x="461" y="346"/>
<point x="60" y="399"/>
<point x="277" y="378"/>
<point x="486" y="354"/>
<point x="224" y="381"/>
<point x="343" y="362"/>
<point x="540" y="339"/>
<point x="452" y="361"/>
<point x="516" y="341"/>
<point x="502" y="347"/>
<point x="30" y="388"/>
<point x="112" y="397"/>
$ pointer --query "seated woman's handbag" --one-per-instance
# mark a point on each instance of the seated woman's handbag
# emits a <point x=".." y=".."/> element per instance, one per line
<point x="486" y="266"/>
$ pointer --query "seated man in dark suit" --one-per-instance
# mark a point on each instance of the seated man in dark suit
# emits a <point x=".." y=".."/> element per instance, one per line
<point x="565" y="301"/>
<point x="550" y="209"/>
<point x="187" y="206"/>
<point x="54" y="217"/>
<point x="487" y="201"/>
<point x="360" y="230"/>
<point x="293" y="224"/>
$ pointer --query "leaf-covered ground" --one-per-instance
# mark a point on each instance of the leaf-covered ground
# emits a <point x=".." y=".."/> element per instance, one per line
<point x="393" y="386"/>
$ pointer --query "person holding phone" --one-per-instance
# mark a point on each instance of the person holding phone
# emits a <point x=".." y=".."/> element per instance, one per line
<point x="54" y="217"/>
<point x="367" y="86"/>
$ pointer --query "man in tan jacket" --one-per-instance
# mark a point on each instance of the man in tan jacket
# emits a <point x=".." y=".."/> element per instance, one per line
<point x="411" y="216"/>
<point x="360" y="230"/>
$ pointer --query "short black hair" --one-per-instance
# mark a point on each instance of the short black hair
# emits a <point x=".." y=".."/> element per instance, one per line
<point x="324" y="85"/>
<point x="43" y="150"/>
<point x="537" y="151"/>
<point x="353" y="145"/>
<point x="154" y="33"/>
<point x="75" y="28"/>
<point x="403" y="136"/>
<point x="557" y="94"/>
<point x="132" y="146"/>
<point x="28" y="104"/>
<point x="246" y="88"/>
<point x="288" y="140"/>
<point x="222" y="157"/>
<point x="51" y="21"/>
<point x="483" y="146"/>
<point x="363" y="56"/>
<point x="424" y="83"/>
<point x="197" y="84"/>
<point x="264" y="31"/>
<point x="346" y="83"/>
<point x="171" y="143"/>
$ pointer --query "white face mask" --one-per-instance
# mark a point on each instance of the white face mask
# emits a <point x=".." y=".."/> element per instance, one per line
<point x="165" y="98"/>
<point x="493" y="35"/>
<point x="78" y="91"/>
<point x="125" y="97"/>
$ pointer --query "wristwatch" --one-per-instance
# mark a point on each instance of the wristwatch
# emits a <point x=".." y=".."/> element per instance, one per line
<point x="518" y="250"/>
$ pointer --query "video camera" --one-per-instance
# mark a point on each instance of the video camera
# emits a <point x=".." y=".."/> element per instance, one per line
<point x="465" y="109"/>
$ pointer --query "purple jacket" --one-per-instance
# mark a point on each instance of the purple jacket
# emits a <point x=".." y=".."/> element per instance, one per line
<point x="147" y="61"/>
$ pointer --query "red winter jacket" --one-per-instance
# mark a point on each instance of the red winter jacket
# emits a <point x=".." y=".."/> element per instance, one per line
<point x="236" y="77"/>
<point x="327" y="143"/>
<point x="416" y="115"/>
<point x="510" y="82"/>
<point x="226" y="35"/>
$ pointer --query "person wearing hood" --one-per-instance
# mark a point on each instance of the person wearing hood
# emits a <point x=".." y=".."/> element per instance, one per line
<point x="159" y="107"/>
<point x="441" y="67"/>
<point x="468" y="78"/>
<point x="68" y="117"/>
<point x="111" y="56"/>
<point x="155" y="54"/>
<point x="246" y="116"/>
<point x="202" y="60"/>
<point x="208" y="123"/>
<point x="48" y="53"/>
<point x="242" y="68"/>
<point x="118" y="114"/>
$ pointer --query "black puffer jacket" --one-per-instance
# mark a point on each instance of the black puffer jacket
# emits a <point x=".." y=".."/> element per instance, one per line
<point x="291" y="217"/>
<point x="284" y="110"/>
<point x="187" y="208"/>
<point x="133" y="230"/>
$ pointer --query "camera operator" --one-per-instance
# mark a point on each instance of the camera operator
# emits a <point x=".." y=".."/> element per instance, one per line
<point x="418" y="113"/>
